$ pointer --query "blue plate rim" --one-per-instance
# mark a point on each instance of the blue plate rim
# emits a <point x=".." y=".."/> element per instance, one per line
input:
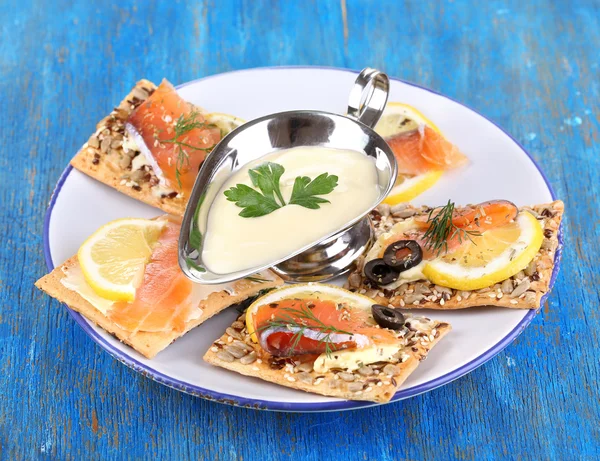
<point x="303" y="407"/>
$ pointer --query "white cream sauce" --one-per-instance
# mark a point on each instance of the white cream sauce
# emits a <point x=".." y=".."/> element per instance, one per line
<point x="234" y="243"/>
<point x="74" y="281"/>
<point x="133" y="142"/>
<point x="353" y="359"/>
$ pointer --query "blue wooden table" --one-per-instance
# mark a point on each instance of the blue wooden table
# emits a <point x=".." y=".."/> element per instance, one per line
<point x="531" y="66"/>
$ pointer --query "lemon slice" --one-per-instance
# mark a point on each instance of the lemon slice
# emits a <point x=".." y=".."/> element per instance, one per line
<point x="492" y="257"/>
<point x="400" y="118"/>
<point x="409" y="187"/>
<point x="226" y="123"/>
<point x="114" y="257"/>
<point x="306" y="290"/>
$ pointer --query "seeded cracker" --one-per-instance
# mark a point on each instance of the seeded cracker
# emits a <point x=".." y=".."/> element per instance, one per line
<point x="103" y="157"/>
<point x="146" y="343"/>
<point x="236" y="351"/>
<point x="522" y="291"/>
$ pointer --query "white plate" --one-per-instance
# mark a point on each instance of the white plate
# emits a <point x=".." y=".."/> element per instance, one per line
<point x="499" y="168"/>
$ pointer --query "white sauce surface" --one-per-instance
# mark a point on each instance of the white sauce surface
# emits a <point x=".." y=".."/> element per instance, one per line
<point x="234" y="243"/>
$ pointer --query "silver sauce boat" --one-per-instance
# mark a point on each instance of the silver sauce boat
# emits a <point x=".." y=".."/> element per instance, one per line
<point x="334" y="253"/>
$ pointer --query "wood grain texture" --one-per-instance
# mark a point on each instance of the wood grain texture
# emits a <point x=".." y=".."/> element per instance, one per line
<point x="531" y="66"/>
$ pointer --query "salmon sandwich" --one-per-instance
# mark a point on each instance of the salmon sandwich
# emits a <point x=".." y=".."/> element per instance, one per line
<point x="152" y="145"/>
<point x="323" y="339"/>
<point x="490" y="254"/>
<point x="126" y="279"/>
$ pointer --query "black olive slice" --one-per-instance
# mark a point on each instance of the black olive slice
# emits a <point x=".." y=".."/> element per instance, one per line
<point x="386" y="317"/>
<point x="403" y="255"/>
<point x="377" y="271"/>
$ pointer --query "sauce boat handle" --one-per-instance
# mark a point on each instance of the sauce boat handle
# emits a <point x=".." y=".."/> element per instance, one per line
<point x="369" y="96"/>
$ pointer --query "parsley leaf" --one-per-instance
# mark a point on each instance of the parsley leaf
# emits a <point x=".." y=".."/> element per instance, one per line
<point x="266" y="177"/>
<point x="305" y="191"/>
<point x="254" y="203"/>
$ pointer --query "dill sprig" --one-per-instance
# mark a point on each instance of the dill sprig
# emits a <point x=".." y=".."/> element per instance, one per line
<point x="256" y="279"/>
<point x="441" y="229"/>
<point x="304" y="316"/>
<point x="183" y="125"/>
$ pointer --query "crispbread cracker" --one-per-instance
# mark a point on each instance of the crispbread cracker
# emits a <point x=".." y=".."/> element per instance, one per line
<point x="104" y="162"/>
<point x="425" y="295"/>
<point x="285" y="372"/>
<point x="146" y="343"/>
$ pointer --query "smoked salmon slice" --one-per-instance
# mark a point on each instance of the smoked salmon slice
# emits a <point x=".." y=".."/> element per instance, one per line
<point x="173" y="135"/>
<point x="423" y="150"/>
<point x="476" y="218"/>
<point x="162" y="302"/>
<point x="293" y="327"/>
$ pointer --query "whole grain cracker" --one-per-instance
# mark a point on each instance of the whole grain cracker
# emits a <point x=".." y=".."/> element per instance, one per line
<point x="425" y="295"/>
<point x="376" y="387"/>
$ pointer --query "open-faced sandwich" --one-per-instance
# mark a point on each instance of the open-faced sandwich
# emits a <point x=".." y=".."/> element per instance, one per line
<point x="422" y="152"/>
<point x="126" y="279"/>
<point x="152" y="145"/>
<point x="323" y="339"/>
<point x="491" y="254"/>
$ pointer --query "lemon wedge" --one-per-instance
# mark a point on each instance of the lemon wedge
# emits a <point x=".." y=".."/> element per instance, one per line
<point x="400" y="118"/>
<point x="409" y="187"/>
<point x="492" y="257"/>
<point x="307" y="290"/>
<point x="225" y="122"/>
<point x="114" y="257"/>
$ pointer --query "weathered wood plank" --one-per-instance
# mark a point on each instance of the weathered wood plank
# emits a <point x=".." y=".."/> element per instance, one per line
<point x="533" y="67"/>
